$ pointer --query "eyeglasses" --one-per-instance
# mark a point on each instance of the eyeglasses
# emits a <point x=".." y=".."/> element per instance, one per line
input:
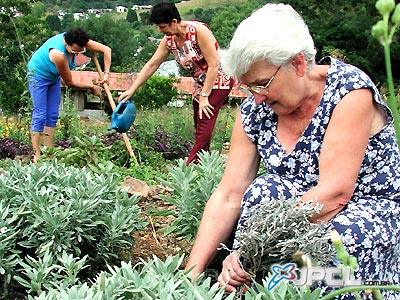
<point x="258" y="88"/>
<point x="77" y="51"/>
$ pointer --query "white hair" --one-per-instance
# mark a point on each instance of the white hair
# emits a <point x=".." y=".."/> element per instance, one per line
<point x="274" y="33"/>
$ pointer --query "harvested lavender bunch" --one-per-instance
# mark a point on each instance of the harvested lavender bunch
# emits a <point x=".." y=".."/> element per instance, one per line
<point x="277" y="231"/>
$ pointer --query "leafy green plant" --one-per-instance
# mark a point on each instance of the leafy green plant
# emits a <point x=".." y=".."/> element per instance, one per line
<point x="152" y="279"/>
<point x="9" y="233"/>
<point x="85" y="151"/>
<point x="68" y="121"/>
<point x="283" y="291"/>
<point x="156" y="92"/>
<point x="49" y="209"/>
<point x="192" y="186"/>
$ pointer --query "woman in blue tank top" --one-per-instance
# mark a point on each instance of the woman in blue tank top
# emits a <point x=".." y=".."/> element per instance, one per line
<point x="50" y="64"/>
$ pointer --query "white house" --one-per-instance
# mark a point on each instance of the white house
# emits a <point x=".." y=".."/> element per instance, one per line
<point x="79" y="15"/>
<point x="121" y="9"/>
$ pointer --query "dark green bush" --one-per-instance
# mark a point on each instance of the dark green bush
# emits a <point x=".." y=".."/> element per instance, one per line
<point x="156" y="92"/>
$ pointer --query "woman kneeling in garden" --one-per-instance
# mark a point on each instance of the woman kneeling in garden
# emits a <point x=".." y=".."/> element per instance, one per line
<point x="322" y="132"/>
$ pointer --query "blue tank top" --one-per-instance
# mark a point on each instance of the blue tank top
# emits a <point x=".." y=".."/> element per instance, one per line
<point x="40" y="64"/>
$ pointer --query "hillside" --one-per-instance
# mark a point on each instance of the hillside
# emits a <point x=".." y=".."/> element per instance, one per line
<point x="205" y="4"/>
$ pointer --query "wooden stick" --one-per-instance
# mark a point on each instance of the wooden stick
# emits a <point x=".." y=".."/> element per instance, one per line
<point x="112" y="104"/>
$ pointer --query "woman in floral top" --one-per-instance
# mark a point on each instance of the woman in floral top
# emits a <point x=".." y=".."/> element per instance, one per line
<point x="196" y="50"/>
<point x="322" y="132"/>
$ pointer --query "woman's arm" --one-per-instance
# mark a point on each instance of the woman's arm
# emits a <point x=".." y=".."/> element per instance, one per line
<point x="61" y="63"/>
<point x="148" y="69"/>
<point x="223" y="208"/>
<point x="207" y="47"/>
<point x="99" y="47"/>
<point x="343" y="150"/>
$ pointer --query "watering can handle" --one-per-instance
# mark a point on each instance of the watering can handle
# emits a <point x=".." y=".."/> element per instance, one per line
<point x="112" y="104"/>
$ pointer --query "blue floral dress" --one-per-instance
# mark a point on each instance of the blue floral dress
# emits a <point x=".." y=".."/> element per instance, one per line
<point x="370" y="222"/>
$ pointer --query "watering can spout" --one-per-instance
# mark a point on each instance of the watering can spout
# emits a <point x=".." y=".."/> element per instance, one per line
<point x="123" y="116"/>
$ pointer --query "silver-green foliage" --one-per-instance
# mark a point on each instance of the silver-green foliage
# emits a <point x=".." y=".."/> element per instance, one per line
<point x="150" y="280"/>
<point x="165" y="280"/>
<point x="51" y="211"/>
<point x="279" y="229"/>
<point x="9" y="232"/>
<point x="192" y="186"/>
<point x="283" y="291"/>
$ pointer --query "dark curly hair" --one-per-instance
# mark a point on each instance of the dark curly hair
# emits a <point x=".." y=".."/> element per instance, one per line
<point x="164" y="12"/>
<point x="76" y="36"/>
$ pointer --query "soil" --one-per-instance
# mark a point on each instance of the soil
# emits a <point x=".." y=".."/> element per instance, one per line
<point x="151" y="241"/>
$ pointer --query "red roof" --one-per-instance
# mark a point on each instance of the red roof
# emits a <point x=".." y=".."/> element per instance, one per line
<point x="122" y="81"/>
<point x="82" y="60"/>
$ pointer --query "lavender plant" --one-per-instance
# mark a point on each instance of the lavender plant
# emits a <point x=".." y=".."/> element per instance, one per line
<point x="278" y="230"/>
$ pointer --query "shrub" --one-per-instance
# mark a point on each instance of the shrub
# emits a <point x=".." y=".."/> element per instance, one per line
<point x="68" y="121"/>
<point x="152" y="279"/>
<point x="156" y="92"/>
<point x="192" y="186"/>
<point x="49" y="209"/>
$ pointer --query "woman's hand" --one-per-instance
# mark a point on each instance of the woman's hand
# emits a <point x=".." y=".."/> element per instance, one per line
<point x="205" y="107"/>
<point x="105" y="79"/>
<point x="97" y="90"/>
<point x="232" y="274"/>
<point x="125" y="96"/>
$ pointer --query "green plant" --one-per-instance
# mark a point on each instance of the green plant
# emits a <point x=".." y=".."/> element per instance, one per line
<point x="36" y="272"/>
<point x="156" y="92"/>
<point x="224" y="126"/>
<point x="49" y="209"/>
<point x="283" y="291"/>
<point x="9" y="233"/>
<point x="192" y="186"/>
<point x="151" y="168"/>
<point x="153" y="280"/>
<point x="85" y="151"/>
<point x="384" y="31"/>
<point x="68" y="121"/>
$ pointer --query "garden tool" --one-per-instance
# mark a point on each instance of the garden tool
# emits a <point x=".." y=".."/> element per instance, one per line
<point x="123" y="116"/>
<point x="112" y="104"/>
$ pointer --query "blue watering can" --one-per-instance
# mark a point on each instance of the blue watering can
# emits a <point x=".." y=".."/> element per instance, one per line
<point x="123" y="116"/>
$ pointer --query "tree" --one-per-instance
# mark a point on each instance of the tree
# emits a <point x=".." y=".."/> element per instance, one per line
<point x="203" y="15"/>
<point x="131" y="16"/>
<point x="20" y="36"/>
<point x="144" y="18"/>
<point x="117" y="34"/>
<point x="337" y="27"/>
<point x="67" y="22"/>
<point x="38" y="9"/>
<point x="53" y="22"/>
<point x="224" y="23"/>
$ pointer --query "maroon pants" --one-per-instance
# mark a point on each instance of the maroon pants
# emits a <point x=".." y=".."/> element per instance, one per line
<point x="204" y="127"/>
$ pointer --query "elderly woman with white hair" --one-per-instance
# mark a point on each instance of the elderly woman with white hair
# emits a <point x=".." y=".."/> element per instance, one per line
<point x="321" y="131"/>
